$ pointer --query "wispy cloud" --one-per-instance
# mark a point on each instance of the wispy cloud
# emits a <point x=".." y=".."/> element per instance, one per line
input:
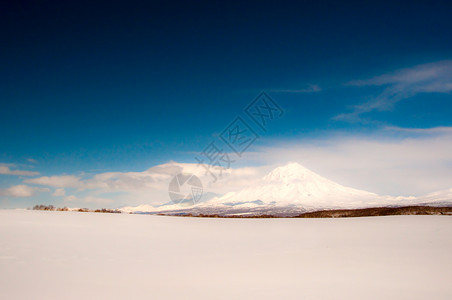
<point x="22" y="191"/>
<point x="402" y="84"/>
<point x="312" y="88"/>
<point x="6" y="170"/>
<point x="429" y="131"/>
<point x="56" y="181"/>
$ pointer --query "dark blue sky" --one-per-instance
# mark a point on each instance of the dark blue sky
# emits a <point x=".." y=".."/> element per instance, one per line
<point x="123" y="86"/>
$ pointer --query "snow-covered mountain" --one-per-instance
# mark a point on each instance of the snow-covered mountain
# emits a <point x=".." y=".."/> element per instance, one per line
<point x="294" y="185"/>
<point x="293" y="188"/>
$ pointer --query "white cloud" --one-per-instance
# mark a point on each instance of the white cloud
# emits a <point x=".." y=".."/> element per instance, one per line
<point x="5" y="170"/>
<point x="426" y="78"/>
<point x="149" y="186"/>
<point x="22" y="191"/>
<point x="33" y="161"/>
<point x="56" y="181"/>
<point x="59" y="193"/>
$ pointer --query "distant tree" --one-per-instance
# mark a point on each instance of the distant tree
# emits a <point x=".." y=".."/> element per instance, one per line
<point x="43" y="207"/>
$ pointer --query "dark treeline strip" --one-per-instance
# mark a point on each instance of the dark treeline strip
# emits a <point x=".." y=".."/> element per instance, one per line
<point x="341" y="213"/>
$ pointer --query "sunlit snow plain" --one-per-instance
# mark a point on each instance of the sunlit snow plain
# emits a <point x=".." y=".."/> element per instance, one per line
<point x="71" y="255"/>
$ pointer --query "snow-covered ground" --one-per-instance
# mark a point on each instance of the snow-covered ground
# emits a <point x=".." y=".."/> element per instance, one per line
<point x="70" y="255"/>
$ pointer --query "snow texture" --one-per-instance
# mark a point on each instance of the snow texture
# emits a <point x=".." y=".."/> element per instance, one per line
<point x="71" y="255"/>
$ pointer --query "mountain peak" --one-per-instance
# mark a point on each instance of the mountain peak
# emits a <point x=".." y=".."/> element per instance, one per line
<point x="289" y="172"/>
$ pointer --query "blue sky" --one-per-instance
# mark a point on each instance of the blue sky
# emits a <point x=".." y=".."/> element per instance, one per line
<point x="90" y="88"/>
